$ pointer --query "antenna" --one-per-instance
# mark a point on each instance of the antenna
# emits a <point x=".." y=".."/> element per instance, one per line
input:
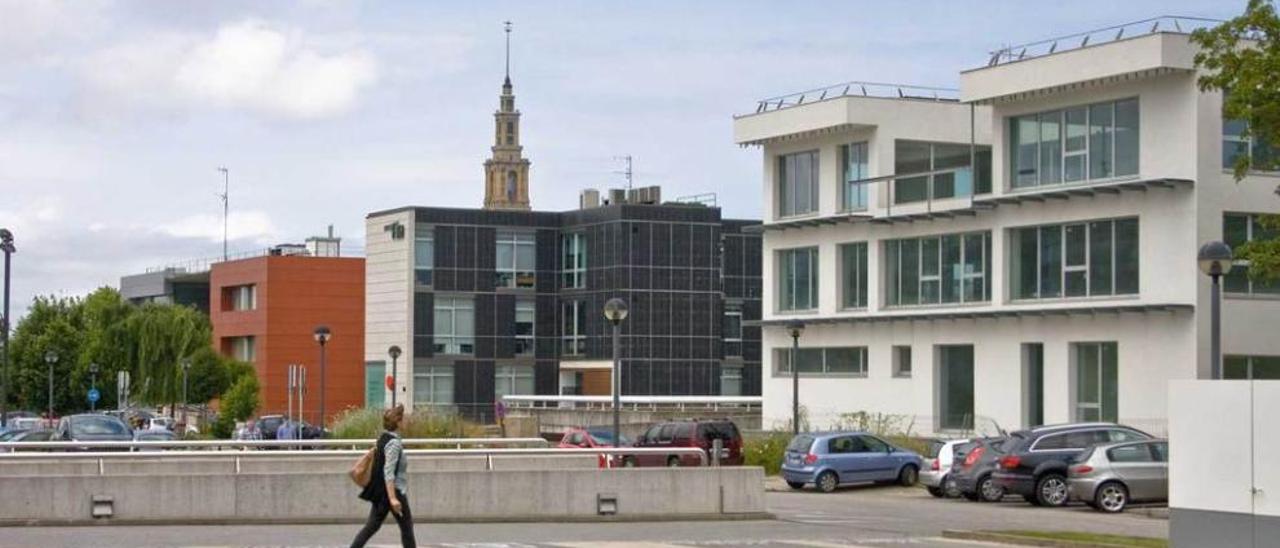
<point x="507" y="29"/>
<point x="226" y="185"/>
<point x="626" y="173"/>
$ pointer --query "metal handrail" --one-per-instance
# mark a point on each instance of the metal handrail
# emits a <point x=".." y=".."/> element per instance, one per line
<point x="683" y="400"/>
<point x="1021" y="52"/>
<point x="858" y="89"/>
<point x="187" y="444"/>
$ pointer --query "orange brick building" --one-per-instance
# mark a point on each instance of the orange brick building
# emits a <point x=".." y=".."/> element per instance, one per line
<point x="264" y="310"/>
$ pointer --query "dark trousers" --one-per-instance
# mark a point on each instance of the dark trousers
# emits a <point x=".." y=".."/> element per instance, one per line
<point x="378" y="513"/>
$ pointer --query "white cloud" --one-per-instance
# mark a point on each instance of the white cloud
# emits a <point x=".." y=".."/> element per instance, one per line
<point x="249" y="65"/>
<point x="241" y="225"/>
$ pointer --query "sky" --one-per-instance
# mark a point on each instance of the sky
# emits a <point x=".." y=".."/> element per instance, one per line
<point x="114" y="116"/>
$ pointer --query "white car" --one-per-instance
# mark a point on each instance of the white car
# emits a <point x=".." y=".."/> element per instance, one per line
<point x="937" y="468"/>
<point x="161" y="423"/>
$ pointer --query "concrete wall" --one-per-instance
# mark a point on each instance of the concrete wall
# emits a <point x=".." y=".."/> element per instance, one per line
<point x="388" y="290"/>
<point x="546" y="495"/>
<point x="177" y="464"/>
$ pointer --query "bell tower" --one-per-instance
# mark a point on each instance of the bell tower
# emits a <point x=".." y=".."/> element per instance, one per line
<point x="506" y="172"/>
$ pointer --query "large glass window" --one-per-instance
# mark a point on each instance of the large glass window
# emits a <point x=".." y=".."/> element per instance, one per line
<point x="844" y="361"/>
<point x="854" y="171"/>
<point x="1237" y="230"/>
<point x="526" y="314"/>
<point x="946" y="171"/>
<point x="1075" y="260"/>
<point x="1096" y="381"/>
<point x="424" y="249"/>
<point x="1251" y="367"/>
<point x="853" y="275"/>
<point x="432" y="385"/>
<point x="243" y="348"/>
<point x="454" y="329"/>
<point x="730" y="381"/>
<point x="573" y="328"/>
<point x="512" y="380"/>
<point x="1085" y="143"/>
<point x="798" y="183"/>
<point x="798" y="279"/>
<point x="516" y="262"/>
<point x="240" y="297"/>
<point x="953" y="268"/>
<point x="1235" y="143"/>
<point x="575" y="260"/>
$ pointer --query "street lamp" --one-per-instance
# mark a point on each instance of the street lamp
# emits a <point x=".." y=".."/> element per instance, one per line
<point x="93" y="385"/>
<point x="394" y="352"/>
<point x="322" y="337"/>
<point x="615" y="310"/>
<point x="186" y="368"/>
<point x="6" y="245"/>
<point x="1215" y="260"/>
<point x="795" y="328"/>
<point x="51" y="358"/>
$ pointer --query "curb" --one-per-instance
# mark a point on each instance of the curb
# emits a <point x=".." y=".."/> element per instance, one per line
<point x="1018" y="540"/>
<point x="748" y="516"/>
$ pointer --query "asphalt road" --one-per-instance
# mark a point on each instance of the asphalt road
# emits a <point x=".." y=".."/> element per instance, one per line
<point x="858" y="516"/>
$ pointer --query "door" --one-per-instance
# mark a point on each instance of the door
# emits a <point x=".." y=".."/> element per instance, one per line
<point x="374" y="384"/>
<point x="842" y="457"/>
<point x="1136" y="465"/>
<point x="878" y="463"/>
<point x="1160" y="450"/>
<point x="955" y="387"/>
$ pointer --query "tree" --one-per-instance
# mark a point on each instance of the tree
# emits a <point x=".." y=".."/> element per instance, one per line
<point x="238" y="404"/>
<point x="164" y="336"/>
<point x="1241" y="58"/>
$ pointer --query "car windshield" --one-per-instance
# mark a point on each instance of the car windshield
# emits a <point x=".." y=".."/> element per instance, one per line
<point x="935" y="447"/>
<point x="605" y="437"/>
<point x="100" y="425"/>
<point x="800" y="444"/>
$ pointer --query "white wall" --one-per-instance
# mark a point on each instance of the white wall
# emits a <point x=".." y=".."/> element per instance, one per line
<point x="389" y="296"/>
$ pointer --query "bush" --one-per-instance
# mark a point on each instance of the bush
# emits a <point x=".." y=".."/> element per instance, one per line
<point x="367" y="424"/>
<point x="766" y="450"/>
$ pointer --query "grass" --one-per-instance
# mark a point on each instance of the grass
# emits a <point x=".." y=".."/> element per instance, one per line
<point x="367" y="424"/>
<point x="1091" y="538"/>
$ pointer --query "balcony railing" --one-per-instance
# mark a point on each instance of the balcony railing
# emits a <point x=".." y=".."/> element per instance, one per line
<point x="858" y="89"/>
<point x="1163" y="23"/>
<point x="912" y="191"/>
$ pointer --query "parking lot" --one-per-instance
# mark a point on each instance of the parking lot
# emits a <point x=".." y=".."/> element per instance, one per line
<point x="852" y="516"/>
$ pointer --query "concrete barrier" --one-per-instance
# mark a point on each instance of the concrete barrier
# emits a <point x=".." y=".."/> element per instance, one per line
<point x="175" y="463"/>
<point x="328" y="497"/>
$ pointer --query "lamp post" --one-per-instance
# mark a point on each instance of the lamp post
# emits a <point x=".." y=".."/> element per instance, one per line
<point x="322" y="337"/>
<point x="394" y="352"/>
<point x="1215" y="260"/>
<point x="93" y="385"/>
<point x="186" y="368"/>
<point x="6" y="245"/>
<point x="50" y="358"/>
<point x="795" y="328"/>
<point x="615" y="310"/>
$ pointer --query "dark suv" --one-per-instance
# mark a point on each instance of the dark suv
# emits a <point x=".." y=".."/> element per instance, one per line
<point x="694" y="433"/>
<point x="1035" y="461"/>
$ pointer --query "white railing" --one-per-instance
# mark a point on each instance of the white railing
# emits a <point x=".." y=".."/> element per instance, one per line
<point x="635" y="402"/>
<point x="1163" y="23"/>
<point x="233" y="445"/>
<point x="857" y="89"/>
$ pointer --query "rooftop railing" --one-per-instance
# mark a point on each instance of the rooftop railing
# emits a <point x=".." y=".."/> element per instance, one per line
<point x="635" y="402"/>
<point x="1163" y="23"/>
<point x="858" y="89"/>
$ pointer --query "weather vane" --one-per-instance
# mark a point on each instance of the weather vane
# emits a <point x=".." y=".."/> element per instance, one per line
<point x="507" y="28"/>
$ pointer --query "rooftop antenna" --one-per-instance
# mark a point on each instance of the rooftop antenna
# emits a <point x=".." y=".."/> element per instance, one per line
<point x="626" y="173"/>
<point x="507" y="28"/>
<point x="226" y="185"/>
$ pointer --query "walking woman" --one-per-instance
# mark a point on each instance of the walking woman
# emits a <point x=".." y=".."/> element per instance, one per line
<point x="388" y="495"/>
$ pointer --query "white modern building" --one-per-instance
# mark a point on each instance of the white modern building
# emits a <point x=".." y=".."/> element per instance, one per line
<point x="1021" y="250"/>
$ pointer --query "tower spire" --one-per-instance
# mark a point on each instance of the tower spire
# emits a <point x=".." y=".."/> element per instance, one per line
<point x="507" y="29"/>
<point x="507" y="170"/>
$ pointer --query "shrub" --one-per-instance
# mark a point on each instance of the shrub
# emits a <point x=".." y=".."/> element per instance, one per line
<point x="367" y="423"/>
<point x="766" y="450"/>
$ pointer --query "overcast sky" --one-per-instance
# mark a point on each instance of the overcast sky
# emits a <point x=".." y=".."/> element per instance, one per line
<point x="114" y="115"/>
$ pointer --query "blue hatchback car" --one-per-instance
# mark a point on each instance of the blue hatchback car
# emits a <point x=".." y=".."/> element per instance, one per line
<point x="831" y="459"/>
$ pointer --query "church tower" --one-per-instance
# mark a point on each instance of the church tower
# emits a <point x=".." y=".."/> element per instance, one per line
<point x="506" y="173"/>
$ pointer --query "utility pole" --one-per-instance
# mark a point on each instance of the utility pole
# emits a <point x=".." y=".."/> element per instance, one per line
<point x="226" y="207"/>
<point x="6" y="245"/>
<point x="626" y="173"/>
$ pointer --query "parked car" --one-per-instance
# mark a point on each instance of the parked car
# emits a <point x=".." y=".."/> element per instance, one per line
<point x="268" y="424"/>
<point x="972" y="467"/>
<point x="158" y="423"/>
<point x="1035" y="461"/>
<point x="32" y="435"/>
<point x="1110" y="476"/>
<point x="695" y="433"/>
<point x="936" y="474"/>
<point x="29" y="423"/>
<point x="154" y="434"/>
<point x="583" y="438"/>
<point x="86" y="427"/>
<point x="830" y="459"/>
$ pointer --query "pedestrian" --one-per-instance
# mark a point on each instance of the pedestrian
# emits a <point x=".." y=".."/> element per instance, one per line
<point x="285" y="431"/>
<point x="386" y="489"/>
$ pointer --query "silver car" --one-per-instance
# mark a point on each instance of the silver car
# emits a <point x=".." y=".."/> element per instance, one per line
<point x="935" y="476"/>
<point x="1110" y="476"/>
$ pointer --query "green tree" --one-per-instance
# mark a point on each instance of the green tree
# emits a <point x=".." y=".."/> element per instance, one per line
<point x="164" y="336"/>
<point x="238" y="403"/>
<point x="107" y="342"/>
<point x="1241" y="57"/>
<point x="52" y="325"/>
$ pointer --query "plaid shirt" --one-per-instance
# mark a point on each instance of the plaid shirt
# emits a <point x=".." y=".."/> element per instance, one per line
<point x="395" y="468"/>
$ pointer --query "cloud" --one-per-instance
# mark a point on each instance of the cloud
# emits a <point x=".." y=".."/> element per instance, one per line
<point x="241" y="225"/>
<point x="249" y="65"/>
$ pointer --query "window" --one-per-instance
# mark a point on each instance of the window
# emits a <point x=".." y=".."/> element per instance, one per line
<point x="798" y="183"/>
<point x="432" y="385"/>
<point x="1085" y="143"/>
<point x="902" y="361"/>
<point x="955" y="387"/>
<point x="512" y="380"/>
<point x="1140" y="452"/>
<point x="798" y="269"/>
<point x="1033" y="384"/>
<point x="1238" y="229"/>
<point x="1075" y="260"/>
<point x="574" y="328"/>
<point x="853" y="275"/>
<point x="243" y="348"/>
<point x="854" y="170"/>
<point x="1096" y="381"/>
<point x="240" y="297"/>
<point x="525" y="318"/>
<point x="730" y="381"/>
<point x="953" y="268"/>
<point x="733" y="323"/>
<point x="454" y="331"/>
<point x="574" y="247"/>
<point x="845" y="444"/>
<point x="1251" y="367"/>
<point x="873" y="444"/>
<point x="850" y="361"/>
<point x="1235" y="143"/>
<point x="516" y="259"/>
<point x="512" y="186"/>
<point x="946" y="171"/>
<point x="424" y="249"/>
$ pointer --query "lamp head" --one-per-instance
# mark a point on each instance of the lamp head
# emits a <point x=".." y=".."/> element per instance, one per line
<point x="93" y="368"/>
<point x="1214" y="258"/>
<point x="6" y="241"/>
<point x="186" y="364"/>
<point x="51" y="357"/>
<point x="394" y="352"/>
<point x="795" y="328"/>
<point x="322" y="334"/>
<point x="615" y="310"/>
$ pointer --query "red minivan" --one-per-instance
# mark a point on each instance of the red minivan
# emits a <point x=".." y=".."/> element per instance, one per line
<point x="694" y="433"/>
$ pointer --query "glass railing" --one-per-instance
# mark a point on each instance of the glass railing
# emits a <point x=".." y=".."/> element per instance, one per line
<point x="912" y="190"/>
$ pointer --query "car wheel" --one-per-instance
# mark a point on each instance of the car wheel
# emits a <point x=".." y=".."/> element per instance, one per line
<point x="908" y="476"/>
<point x="797" y="485"/>
<point x="989" y="491"/>
<point x="827" y="481"/>
<point x="1051" y="490"/>
<point x="950" y="489"/>
<point x="673" y="462"/>
<point x="936" y="492"/>
<point x="1112" y="497"/>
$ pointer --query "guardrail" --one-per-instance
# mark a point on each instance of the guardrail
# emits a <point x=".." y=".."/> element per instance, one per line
<point x="270" y="444"/>
<point x="634" y="402"/>
<point x="857" y="89"/>
<point x="1163" y="23"/>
